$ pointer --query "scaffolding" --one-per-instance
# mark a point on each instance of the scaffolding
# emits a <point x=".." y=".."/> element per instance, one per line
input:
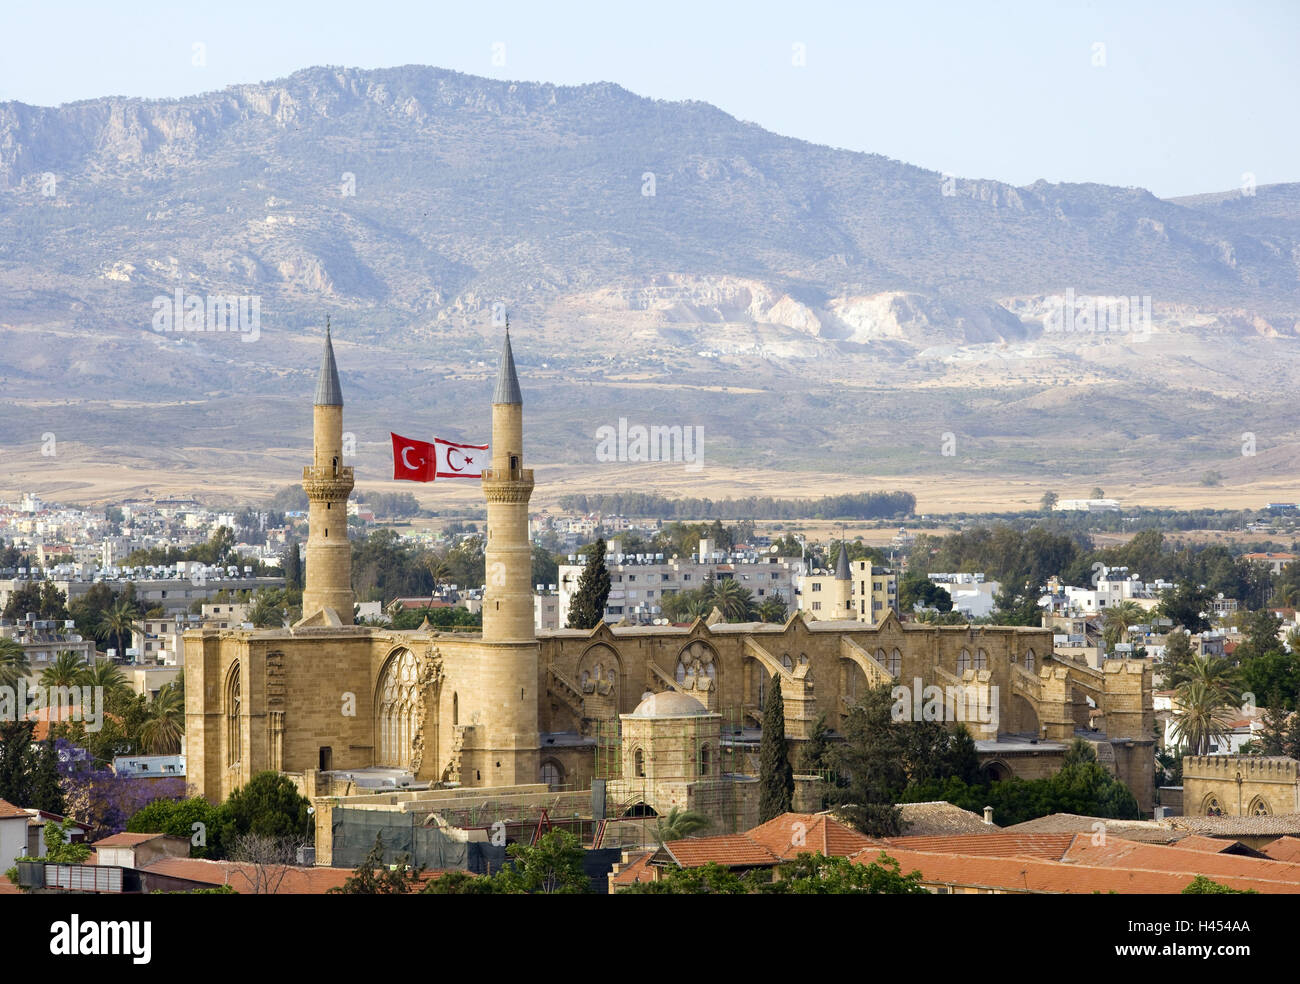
<point x="716" y="771"/>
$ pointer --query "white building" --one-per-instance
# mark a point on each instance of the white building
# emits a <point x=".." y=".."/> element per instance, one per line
<point x="1086" y="505"/>
<point x="971" y="594"/>
<point x="639" y="582"/>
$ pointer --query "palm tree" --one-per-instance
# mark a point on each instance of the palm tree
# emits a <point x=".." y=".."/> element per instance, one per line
<point x="677" y="824"/>
<point x="67" y="670"/>
<point x="107" y="675"/>
<point x="1204" y="715"/>
<point x="1117" y="620"/>
<point x="772" y="609"/>
<point x="117" y="623"/>
<point x="162" y="730"/>
<point x="1215" y="673"/>
<point x="698" y="607"/>
<point x="14" y="664"/>
<point x="267" y="610"/>
<point x="732" y="598"/>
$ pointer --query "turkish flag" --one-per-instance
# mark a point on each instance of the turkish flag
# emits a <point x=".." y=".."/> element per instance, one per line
<point x="413" y="461"/>
<point x="460" y="460"/>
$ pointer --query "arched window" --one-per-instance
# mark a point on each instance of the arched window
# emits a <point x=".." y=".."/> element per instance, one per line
<point x="1258" y="808"/>
<point x="697" y="667"/>
<point x="981" y="659"/>
<point x="553" y="775"/>
<point x="396" y="709"/>
<point x="787" y="662"/>
<point x="639" y="763"/>
<point x="1212" y="807"/>
<point x="704" y="760"/>
<point x="963" y="660"/>
<point x="895" y="664"/>
<point x="1029" y="660"/>
<point x="881" y="658"/>
<point x="234" y="696"/>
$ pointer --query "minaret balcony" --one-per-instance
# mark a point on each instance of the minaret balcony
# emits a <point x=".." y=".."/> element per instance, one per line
<point x="328" y="483"/>
<point x="516" y="487"/>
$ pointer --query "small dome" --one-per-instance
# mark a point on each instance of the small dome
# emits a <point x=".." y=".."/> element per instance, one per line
<point x="669" y="704"/>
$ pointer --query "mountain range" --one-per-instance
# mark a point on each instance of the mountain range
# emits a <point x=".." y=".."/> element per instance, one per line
<point x="816" y="310"/>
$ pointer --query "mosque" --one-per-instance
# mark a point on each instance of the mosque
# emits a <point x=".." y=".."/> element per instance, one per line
<point x="657" y="715"/>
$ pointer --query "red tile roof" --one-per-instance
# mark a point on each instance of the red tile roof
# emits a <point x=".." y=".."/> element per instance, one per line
<point x="1116" y="853"/>
<point x="1284" y="849"/>
<point x="1211" y="845"/>
<point x="126" y="840"/>
<point x="727" y="850"/>
<point x="792" y="834"/>
<point x="637" y="869"/>
<point x="240" y="877"/>
<point x="8" y="811"/>
<point x="1031" y="875"/>
<point x="1047" y="847"/>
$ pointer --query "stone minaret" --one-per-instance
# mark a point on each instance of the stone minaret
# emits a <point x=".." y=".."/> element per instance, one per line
<point x="328" y="483"/>
<point x="505" y="748"/>
<point x="507" y="485"/>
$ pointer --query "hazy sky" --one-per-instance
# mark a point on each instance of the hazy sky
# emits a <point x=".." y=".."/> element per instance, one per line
<point x="1179" y="97"/>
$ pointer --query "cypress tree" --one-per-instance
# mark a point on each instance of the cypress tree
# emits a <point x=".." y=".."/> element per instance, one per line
<point x="776" y="778"/>
<point x="45" y="792"/>
<point x="587" y="608"/>
<point x="293" y="568"/>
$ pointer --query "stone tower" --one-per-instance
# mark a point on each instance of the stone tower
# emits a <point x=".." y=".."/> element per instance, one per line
<point x="505" y="749"/>
<point x="841" y="588"/>
<point x="507" y="485"/>
<point x="328" y="483"/>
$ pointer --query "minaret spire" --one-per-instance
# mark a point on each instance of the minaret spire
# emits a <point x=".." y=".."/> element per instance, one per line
<point x="507" y="390"/>
<point x="328" y="391"/>
<point x="328" y="483"/>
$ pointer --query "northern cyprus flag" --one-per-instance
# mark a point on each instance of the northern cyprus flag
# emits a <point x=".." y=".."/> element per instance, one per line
<point x="460" y="460"/>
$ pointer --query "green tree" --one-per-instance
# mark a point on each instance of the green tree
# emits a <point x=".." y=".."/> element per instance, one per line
<point x="195" y="819"/>
<point x="14" y="664"/>
<point x="460" y="883"/>
<point x="268" y="805"/>
<point x="587" y="607"/>
<point x="45" y="791"/>
<point x="116" y="624"/>
<point x="553" y="866"/>
<point x="1117" y="619"/>
<point x="732" y="598"/>
<point x="677" y="824"/>
<point x="871" y="762"/>
<point x="917" y="589"/>
<point x="1177" y="661"/>
<point x="58" y="850"/>
<point x="106" y="674"/>
<point x="161" y="731"/>
<point x="1201" y="885"/>
<point x="67" y="670"/>
<point x="817" y="874"/>
<point x="1204" y="702"/>
<point x="293" y="567"/>
<point x="706" y="879"/>
<point x="775" y="777"/>
<point x="1185" y="605"/>
<point x="373" y="877"/>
